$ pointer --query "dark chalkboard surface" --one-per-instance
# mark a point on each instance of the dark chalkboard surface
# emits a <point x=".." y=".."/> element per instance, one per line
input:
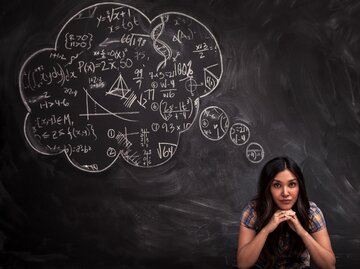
<point x="133" y="132"/>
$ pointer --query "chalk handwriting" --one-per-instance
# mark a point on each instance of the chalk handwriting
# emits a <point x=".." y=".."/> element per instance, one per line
<point x="118" y="84"/>
<point x="239" y="133"/>
<point x="214" y="123"/>
<point x="255" y="152"/>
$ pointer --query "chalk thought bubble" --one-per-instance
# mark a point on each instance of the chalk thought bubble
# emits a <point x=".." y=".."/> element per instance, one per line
<point x="117" y="84"/>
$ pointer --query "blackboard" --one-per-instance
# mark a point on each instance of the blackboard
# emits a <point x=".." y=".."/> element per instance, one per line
<point x="133" y="132"/>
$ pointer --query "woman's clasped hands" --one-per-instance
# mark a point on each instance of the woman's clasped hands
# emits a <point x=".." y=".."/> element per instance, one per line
<point x="285" y="215"/>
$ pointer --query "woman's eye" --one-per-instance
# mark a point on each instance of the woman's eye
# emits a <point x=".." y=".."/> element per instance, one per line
<point x="292" y="185"/>
<point x="277" y="185"/>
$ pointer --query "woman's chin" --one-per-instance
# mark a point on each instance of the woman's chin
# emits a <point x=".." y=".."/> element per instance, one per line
<point x="282" y="206"/>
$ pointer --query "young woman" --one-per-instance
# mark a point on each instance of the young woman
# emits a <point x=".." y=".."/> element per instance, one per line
<point x="280" y="228"/>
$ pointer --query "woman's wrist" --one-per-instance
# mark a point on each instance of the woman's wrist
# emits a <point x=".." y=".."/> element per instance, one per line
<point x="265" y="230"/>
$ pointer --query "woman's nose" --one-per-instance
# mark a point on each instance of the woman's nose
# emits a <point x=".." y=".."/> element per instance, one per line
<point x="285" y="192"/>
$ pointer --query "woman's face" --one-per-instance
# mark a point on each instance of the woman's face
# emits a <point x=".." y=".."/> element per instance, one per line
<point x="284" y="189"/>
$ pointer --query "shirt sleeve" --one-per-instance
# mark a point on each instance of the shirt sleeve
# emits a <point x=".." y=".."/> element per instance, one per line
<point x="248" y="216"/>
<point x="317" y="220"/>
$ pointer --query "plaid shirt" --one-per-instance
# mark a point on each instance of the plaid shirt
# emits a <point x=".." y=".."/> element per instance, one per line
<point x="317" y="222"/>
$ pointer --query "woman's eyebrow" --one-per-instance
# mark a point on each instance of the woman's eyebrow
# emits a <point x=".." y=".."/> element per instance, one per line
<point x="290" y="180"/>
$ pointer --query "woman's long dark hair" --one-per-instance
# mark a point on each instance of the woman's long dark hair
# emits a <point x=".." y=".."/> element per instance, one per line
<point x="265" y="208"/>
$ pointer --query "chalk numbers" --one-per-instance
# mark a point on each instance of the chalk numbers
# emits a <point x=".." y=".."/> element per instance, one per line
<point x="214" y="124"/>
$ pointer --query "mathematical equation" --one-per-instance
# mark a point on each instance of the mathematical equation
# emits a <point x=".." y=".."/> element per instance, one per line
<point x="214" y="124"/>
<point x="117" y="84"/>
